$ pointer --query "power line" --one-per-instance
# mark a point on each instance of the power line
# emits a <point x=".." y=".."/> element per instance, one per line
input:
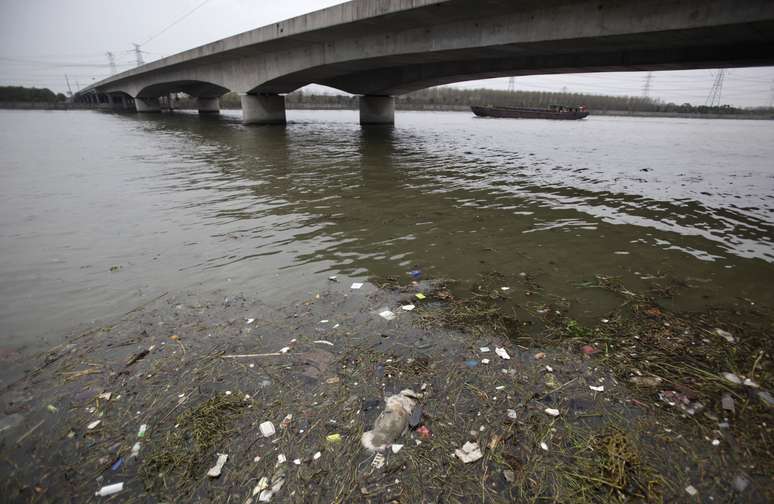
<point x="178" y="20"/>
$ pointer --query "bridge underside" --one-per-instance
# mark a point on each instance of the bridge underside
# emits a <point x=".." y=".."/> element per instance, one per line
<point x="400" y="74"/>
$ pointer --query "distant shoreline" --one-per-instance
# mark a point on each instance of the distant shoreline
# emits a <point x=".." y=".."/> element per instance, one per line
<point x="399" y="106"/>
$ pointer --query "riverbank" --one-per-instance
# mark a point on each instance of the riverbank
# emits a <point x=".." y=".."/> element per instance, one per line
<point x="635" y="407"/>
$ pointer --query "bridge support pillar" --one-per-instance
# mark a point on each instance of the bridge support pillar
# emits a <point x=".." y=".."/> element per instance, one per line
<point x="147" y="104"/>
<point x="263" y="109"/>
<point x="377" y="110"/>
<point x="208" y="105"/>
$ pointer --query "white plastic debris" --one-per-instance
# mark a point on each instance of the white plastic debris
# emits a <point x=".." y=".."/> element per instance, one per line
<point x="250" y="321"/>
<point x="316" y="456"/>
<point x="691" y="490"/>
<point x="725" y="335"/>
<point x="407" y="307"/>
<point x="601" y="388"/>
<point x="500" y="387"/>
<point x="716" y="442"/>
<point x="323" y="342"/>
<point x="552" y="411"/>
<point x="284" y="349"/>
<point x="135" y="450"/>
<point x="324" y="321"/>
<point x="105" y="395"/>
<point x="751" y="383"/>
<point x="485" y="361"/>
<point x="544" y="446"/>
<point x="502" y="353"/>
<point x="262" y="485"/>
<point x="357" y="285"/>
<point x="512" y="414"/>
<point x="215" y="470"/>
<point x="732" y="378"/>
<point x="484" y="349"/>
<point x="281" y="459"/>
<point x="396" y="448"/>
<point x="297" y="461"/>
<point x="110" y="490"/>
<point x="387" y="315"/>
<point x="93" y="424"/>
<point x="470" y="452"/>
<point x="549" y="369"/>
<point x="332" y="278"/>
<point x="505" y="289"/>
<point x="378" y="461"/>
<point x="267" y="429"/>
<point x="143" y="430"/>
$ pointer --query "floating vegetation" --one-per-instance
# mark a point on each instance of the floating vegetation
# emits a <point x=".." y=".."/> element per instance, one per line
<point x="185" y="451"/>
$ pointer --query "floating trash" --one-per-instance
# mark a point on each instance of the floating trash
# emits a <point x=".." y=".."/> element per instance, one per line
<point x="407" y="307"/>
<point x="424" y="432"/>
<point x="725" y="335"/>
<point x="551" y="411"/>
<point x="262" y="485"/>
<point x="470" y="452"/>
<point x="420" y="296"/>
<point x="110" y="490"/>
<point x="117" y="464"/>
<point x="392" y="422"/>
<point x="691" y="490"/>
<point x="143" y="429"/>
<point x="503" y="353"/>
<point x="387" y="315"/>
<point x="93" y="424"/>
<point x="396" y="448"/>
<point x="378" y="461"/>
<point x="357" y="285"/>
<point x="601" y="388"/>
<point x="267" y="429"/>
<point x="215" y="470"/>
<point x="333" y="438"/>
<point x="471" y="363"/>
<point x="732" y="378"/>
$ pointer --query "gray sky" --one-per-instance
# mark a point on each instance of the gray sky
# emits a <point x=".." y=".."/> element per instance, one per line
<point x="42" y="40"/>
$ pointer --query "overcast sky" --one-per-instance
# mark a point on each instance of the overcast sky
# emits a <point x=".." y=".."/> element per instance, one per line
<point x="42" y="40"/>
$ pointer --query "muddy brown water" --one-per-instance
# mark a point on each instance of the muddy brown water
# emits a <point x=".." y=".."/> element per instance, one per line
<point x="175" y="202"/>
<point x="196" y="225"/>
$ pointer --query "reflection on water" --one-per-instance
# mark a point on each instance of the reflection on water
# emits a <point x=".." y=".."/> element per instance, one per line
<point x="181" y="202"/>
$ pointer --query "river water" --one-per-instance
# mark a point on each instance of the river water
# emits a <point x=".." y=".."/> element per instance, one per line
<point x="174" y="203"/>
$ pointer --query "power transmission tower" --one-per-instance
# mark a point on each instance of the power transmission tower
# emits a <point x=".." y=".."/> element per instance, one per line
<point x="713" y="99"/>
<point x="138" y="55"/>
<point x="112" y="61"/>
<point x="646" y="86"/>
<point x="69" y="89"/>
<point x="511" y="84"/>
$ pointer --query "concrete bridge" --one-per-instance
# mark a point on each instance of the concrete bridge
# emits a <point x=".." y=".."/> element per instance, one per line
<point x="381" y="48"/>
